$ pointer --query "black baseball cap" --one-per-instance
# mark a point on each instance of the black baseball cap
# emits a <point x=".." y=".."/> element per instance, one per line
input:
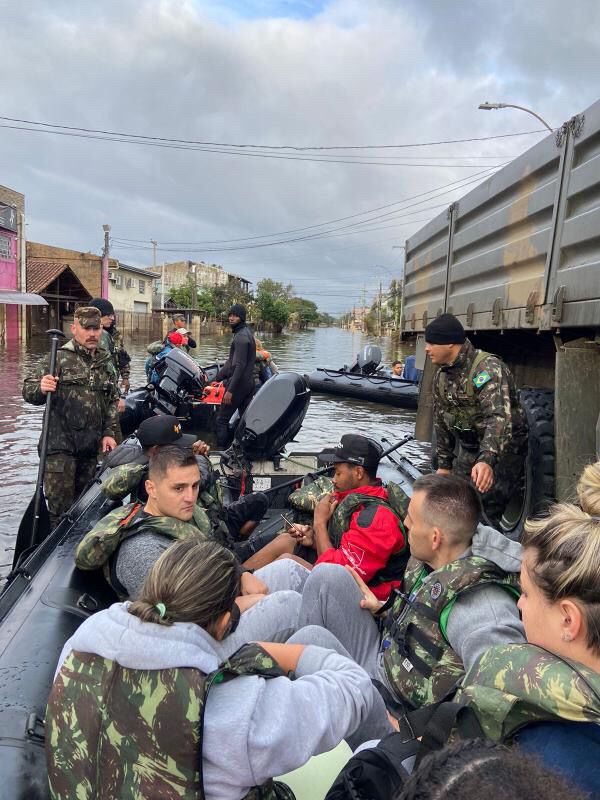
<point x="355" y="449"/>
<point x="163" y="429"/>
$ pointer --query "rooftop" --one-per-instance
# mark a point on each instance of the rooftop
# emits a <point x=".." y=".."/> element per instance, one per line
<point x="138" y="270"/>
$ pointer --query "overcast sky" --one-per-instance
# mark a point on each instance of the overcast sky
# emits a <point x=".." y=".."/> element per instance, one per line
<point x="293" y="72"/>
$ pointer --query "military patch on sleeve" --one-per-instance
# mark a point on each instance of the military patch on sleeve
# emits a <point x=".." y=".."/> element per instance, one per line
<point x="481" y="379"/>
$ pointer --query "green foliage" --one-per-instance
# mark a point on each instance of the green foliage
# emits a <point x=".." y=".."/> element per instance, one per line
<point x="212" y="302"/>
<point x="307" y="311"/>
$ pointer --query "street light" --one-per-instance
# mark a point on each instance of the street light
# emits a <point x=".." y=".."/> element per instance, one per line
<point x="495" y="106"/>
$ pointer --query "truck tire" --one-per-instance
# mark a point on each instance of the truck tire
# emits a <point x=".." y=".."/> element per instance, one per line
<point x="538" y="489"/>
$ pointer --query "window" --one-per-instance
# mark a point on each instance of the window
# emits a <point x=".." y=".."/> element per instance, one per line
<point x="139" y="307"/>
<point x="130" y="283"/>
<point x="5" y="248"/>
<point x="142" y="286"/>
<point x="119" y="281"/>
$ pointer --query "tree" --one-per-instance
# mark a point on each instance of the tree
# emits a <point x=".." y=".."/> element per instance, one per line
<point x="306" y="311"/>
<point x="272" y="302"/>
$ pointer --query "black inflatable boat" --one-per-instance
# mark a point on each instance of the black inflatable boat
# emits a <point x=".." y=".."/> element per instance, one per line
<point x="47" y="598"/>
<point x="365" y="380"/>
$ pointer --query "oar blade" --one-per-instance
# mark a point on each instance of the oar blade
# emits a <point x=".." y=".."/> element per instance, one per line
<point x="44" y="529"/>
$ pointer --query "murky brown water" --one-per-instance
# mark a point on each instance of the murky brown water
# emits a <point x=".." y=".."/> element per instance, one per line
<point x="327" y="418"/>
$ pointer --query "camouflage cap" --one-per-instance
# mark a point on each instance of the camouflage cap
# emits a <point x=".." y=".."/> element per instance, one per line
<point x="88" y="317"/>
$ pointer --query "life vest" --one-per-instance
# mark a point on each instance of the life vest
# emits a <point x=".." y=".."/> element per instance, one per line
<point x="418" y="660"/>
<point x="118" y="732"/>
<point x="461" y="417"/>
<point x="340" y="523"/>
<point x="101" y="543"/>
<point x="514" y="685"/>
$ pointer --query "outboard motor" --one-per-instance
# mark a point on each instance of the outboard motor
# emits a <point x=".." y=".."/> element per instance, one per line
<point x="180" y="377"/>
<point x="274" y="416"/>
<point x="367" y="361"/>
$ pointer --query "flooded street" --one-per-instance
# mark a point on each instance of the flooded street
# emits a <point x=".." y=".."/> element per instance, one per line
<point x="327" y="419"/>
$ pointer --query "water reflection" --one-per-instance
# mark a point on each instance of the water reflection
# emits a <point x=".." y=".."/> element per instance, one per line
<point x="327" y="418"/>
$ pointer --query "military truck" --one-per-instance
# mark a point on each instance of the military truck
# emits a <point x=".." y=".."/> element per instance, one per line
<point x="517" y="260"/>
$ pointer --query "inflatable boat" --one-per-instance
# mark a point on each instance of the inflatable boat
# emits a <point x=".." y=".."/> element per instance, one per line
<point x="46" y="598"/>
<point x="366" y="381"/>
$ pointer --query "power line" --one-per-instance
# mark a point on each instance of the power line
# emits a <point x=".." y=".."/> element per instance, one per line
<point x="297" y="148"/>
<point x="184" y="246"/>
<point x="314" y="159"/>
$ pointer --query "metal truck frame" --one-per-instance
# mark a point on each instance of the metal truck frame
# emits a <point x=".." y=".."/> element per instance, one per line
<point x="517" y="260"/>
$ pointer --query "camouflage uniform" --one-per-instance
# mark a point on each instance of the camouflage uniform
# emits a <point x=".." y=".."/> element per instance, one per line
<point x="113" y="342"/>
<point x="516" y="684"/>
<point x="477" y="418"/>
<point x="83" y="411"/>
<point x="126" y="478"/>
<point x="99" y="545"/>
<point x="115" y="732"/>
<point x="418" y="661"/>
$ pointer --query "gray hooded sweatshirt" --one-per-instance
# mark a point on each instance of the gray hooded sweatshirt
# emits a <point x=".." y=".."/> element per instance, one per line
<point x="254" y="728"/>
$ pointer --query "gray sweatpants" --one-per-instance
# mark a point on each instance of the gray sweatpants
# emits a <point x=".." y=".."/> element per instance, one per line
<point x="330" y="616"/>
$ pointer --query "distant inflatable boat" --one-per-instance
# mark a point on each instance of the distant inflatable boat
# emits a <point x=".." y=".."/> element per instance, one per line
<point x="363" y="381"/>
<point x="379" y="389"/>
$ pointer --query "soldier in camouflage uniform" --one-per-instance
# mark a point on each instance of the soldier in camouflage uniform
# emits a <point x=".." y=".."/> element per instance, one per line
<point x="112" y="340"/>
<point x="480" y="428"/>
<point x="128" y="715"/>
<point x="128" y="541"/>
<point x="228" y="524"/>
<point x="83" y="418"/>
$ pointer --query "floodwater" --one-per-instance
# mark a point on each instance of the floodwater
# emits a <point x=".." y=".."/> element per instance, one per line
<point x="327" y="419"/>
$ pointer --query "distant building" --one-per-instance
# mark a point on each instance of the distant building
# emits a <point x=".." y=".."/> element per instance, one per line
<point x="130" y="288"/>
<point x="12" y="231"/>
<point x="65" y="278"/>
<point x="185" y="273"/>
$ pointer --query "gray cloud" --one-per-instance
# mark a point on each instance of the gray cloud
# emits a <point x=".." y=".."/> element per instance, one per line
<point x="353" y="73"/>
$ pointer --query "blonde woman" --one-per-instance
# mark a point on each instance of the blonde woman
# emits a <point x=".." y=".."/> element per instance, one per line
<point x="143" y="706"/>
<point x="545" y="695"/>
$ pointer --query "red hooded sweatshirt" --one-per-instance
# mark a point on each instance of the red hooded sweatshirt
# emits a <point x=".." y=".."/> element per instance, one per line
<point x="367" y="549"/>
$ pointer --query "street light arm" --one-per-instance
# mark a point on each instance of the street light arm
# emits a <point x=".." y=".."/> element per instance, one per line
<point x="493" y="106"/>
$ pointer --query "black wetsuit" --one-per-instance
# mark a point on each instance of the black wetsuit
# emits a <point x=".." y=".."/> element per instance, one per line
<point x="238" y="374"/>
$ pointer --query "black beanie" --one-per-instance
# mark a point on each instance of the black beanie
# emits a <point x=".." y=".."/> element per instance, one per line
<point x="104" y="306"/>
<point x="239" y="310"/>
<point x="445" y="329"/>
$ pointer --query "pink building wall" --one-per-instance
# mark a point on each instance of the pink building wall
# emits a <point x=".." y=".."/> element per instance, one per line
<point x="9" y="280"/>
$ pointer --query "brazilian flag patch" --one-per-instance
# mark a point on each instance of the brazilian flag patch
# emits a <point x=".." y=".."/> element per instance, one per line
<point x="481" y="379"/>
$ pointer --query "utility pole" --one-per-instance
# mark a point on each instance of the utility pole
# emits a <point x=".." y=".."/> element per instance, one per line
<point x="162" y="287"/>
<point x="154" y="246"/>
<point x="105" y="250"/>
<point x="379" y="305"/>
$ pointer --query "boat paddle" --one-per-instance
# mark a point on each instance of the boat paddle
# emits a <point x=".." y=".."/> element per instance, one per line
<point x="35" y="525"/>
<point x="323" y="470"/>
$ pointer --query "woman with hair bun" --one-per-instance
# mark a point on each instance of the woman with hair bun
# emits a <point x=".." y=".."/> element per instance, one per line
<point x="143" y="706"/>
<point x="545" y="695"/>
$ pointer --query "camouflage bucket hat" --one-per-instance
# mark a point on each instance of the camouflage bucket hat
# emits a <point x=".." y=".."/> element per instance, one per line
<point x="88" y="317"/>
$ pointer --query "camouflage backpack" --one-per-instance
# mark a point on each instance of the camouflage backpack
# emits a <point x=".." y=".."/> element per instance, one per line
<point x="101" y="543"/>
<point x="117" y="732"/>
<point x="516" y="684"/>
<point x="460" y="417"/>
<point x="418" y="660"/>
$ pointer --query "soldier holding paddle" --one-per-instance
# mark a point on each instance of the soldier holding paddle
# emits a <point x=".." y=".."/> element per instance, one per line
<point x="83" y="415"/>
